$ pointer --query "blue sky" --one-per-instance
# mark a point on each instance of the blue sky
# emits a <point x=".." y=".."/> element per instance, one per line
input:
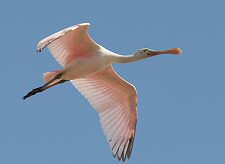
<point x="181" y="98"/>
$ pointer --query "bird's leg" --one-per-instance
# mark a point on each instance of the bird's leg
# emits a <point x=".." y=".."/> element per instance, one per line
<point x="59" y="82"/>
<point x="42" y="88"/>
<point x="54" y="78"/>
<point x="46" y="86"/>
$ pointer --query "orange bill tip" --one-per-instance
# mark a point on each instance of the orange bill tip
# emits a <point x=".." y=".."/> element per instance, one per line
<point x="176" y="51"/>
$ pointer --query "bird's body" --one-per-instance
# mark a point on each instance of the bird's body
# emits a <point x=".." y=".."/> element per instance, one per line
<point x="89" y="67"/>
<point x="85" y="66"/>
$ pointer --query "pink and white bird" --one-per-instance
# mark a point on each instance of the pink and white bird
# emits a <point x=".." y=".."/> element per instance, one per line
<point x="88" y="66"/>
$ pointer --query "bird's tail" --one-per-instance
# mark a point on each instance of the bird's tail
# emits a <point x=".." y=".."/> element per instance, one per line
<point x="50" y="75"/>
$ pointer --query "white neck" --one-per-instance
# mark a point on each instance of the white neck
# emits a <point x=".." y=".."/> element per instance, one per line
<point x="116" y="58"/>
<point x="139" y="55"/>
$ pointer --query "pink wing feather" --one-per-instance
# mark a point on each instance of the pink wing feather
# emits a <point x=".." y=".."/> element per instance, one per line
<point x="113" y="98"/>
<point x="69" y="44"/>
<point x="116" y="102"/>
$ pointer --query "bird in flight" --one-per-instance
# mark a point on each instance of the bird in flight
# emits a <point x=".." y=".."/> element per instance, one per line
<point x="88" y="66"/>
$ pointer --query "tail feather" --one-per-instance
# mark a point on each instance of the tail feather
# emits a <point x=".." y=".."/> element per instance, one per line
<point x="50" y="75"/>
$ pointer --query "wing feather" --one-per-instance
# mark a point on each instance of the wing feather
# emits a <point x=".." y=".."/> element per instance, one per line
<point x="116" y="102"/>
<point x="69" y="44"/>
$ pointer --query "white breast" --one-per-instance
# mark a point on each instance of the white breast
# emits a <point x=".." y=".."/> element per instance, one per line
<point x="86" y="66"/>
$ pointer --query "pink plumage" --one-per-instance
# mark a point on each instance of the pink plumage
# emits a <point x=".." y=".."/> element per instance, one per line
<point x="89" y="67"/>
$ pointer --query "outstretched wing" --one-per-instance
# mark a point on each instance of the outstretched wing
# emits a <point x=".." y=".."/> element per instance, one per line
<point x="69" y="44"/>
<point x="116" y="102"/>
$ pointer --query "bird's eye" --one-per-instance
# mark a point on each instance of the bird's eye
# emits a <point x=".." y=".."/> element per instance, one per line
<point x="145" y="50"/>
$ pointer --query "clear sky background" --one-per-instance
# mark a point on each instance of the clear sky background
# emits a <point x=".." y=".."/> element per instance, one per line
<point x="181" y="98"/>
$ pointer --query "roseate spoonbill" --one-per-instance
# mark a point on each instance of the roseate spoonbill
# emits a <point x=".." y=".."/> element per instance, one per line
<point x="89" y="67"/>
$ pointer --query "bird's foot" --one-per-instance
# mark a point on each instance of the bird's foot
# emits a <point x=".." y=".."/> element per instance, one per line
<point x="33" y="92"/>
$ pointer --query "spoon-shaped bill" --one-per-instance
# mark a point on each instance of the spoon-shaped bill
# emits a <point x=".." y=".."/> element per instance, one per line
<point x="174" y="51"/>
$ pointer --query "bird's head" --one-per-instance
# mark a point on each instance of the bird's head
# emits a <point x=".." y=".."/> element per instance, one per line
<point x="146" y="52"/>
